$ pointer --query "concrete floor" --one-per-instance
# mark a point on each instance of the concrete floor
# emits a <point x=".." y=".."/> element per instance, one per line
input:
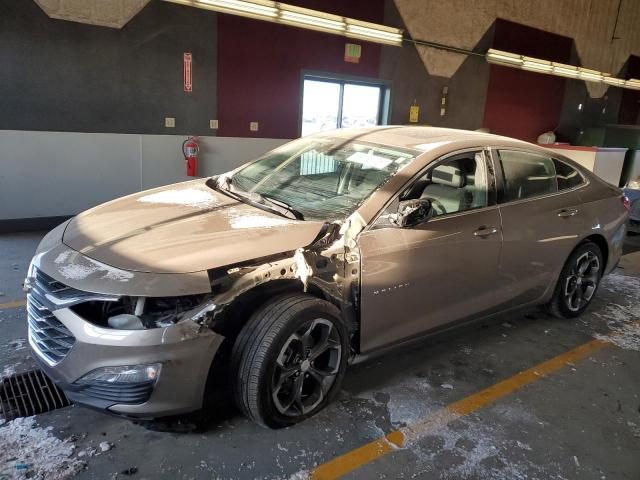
<point x="582" y="421"/>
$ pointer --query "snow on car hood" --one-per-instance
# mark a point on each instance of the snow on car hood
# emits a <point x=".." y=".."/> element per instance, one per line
<point x="180" y="228"/>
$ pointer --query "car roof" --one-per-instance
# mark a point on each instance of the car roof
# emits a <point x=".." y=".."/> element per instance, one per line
<point x="423" y="138"/>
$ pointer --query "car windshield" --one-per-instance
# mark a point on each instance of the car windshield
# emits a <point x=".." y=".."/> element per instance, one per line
<point x="323" y="178"/>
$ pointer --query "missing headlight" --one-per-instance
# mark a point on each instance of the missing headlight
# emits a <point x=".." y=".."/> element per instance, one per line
<point x="123" y="314"/>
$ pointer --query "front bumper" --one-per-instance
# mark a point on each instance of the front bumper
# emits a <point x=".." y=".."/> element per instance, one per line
<point x="185" y="350"/>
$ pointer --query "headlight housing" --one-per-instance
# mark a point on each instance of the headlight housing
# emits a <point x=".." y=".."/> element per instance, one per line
<point x="634" y="184"/>
<point x="123" y="375"/>
<point x="141" y="313"/>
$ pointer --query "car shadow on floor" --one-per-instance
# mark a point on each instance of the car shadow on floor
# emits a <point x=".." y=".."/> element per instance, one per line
<point x="631" y="244"/>
<point x="220" y="407"/>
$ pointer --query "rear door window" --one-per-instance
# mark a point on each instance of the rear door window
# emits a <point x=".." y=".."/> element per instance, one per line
<point x="526" y="175"/>
<point x="568" y="177"/>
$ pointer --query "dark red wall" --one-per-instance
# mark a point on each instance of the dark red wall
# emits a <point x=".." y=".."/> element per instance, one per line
<point x="260" y="64"/>
<point x="630" y="105"/>
<point x="524" y="104"/>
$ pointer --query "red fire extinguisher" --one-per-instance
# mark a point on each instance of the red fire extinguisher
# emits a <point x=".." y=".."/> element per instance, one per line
<point x="190" y="149"/>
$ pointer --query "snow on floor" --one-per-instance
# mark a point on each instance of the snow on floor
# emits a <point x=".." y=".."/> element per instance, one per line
<point x="468" y="448"/>
<point x="13" y="355"/>
<point x="29" y="451"/>
<point x="622" y="320"/>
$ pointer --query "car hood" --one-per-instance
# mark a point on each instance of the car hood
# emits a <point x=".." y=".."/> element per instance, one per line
<point x="181" y="228"/>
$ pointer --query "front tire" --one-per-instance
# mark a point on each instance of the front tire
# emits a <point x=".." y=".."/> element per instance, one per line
<point x="578" y="282"/>
<point x="289" y="360"/>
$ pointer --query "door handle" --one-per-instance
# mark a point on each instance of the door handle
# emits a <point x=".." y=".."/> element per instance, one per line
<point x="485" y="231"/>
<point x="568" y="212"/>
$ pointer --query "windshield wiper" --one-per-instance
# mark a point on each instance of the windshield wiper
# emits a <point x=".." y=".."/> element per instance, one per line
<point x="224" y="185"/>
<point x="297" y="213"/>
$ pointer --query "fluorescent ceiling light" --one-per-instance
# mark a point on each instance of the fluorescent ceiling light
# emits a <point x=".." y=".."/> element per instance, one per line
<point x="591" y="77"/>
<point x="253" y="8"/>
<point x="311" y="18"/>
<point x="617" y="82"/>
<point x="504" y="58"/>
<point x="633" y="83"/>
<point x="513" y="60"/>
<point x="563" y="70"/>
<point x="536" y="65"/>
<point x="373" y="32"/>
<point x="301" y="17"/>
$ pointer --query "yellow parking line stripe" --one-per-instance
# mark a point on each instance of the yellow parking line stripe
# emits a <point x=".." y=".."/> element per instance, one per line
<point x="354" y="459"/>
<point x="13" y="304"/>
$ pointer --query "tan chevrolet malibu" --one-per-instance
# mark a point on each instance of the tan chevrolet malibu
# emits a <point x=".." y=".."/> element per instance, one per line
<point x="331" y="247"/>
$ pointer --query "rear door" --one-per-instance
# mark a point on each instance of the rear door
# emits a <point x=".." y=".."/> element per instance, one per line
<point x="541" y="220"/>
<point x="418" y="278"/>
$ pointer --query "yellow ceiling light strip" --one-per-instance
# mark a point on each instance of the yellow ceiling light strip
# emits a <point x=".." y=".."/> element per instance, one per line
<point x="277" y="12"/>
<point x="513" y="60"/>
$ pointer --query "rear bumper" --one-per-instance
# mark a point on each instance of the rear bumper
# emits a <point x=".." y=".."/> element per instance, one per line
<point x="185" y="351"/>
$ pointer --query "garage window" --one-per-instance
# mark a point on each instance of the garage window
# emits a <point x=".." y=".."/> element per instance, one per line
<point x="329" y="103"/>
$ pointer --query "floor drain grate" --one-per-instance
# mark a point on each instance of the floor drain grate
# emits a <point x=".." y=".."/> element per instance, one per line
<point x="29" y="393"/>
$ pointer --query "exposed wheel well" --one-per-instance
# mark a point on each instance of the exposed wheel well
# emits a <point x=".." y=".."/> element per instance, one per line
<point x="238" y="312"/>
<point x="604" y="247"/>
<point x="231" y="321"/>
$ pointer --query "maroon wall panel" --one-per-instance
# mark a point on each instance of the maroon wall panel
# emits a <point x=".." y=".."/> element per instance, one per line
<point x="260" y="65"/>
<point x="524" y="104"/>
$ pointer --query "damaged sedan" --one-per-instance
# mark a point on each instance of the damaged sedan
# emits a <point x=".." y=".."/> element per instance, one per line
<point x="330" y="248"/>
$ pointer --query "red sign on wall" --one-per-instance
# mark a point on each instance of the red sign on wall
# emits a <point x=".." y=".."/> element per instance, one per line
<point x="188" y="72"/>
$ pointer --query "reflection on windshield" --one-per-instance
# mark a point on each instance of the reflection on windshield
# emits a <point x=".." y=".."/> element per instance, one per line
<point x="321" y="177"/>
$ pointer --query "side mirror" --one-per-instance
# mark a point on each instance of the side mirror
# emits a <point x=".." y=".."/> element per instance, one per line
<point x="412" y="212"/>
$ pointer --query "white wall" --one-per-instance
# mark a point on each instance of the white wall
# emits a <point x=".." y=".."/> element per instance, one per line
<point x="44" y="174"/>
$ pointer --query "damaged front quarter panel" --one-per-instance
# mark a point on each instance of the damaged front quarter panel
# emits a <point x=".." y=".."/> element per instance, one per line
<point x="328" y="267"/>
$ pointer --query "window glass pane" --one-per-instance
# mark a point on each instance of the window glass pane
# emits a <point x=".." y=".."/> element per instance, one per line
<point x="360" y="106"/>
<point x="313" y="163"/>
<point x="455" y="185"/>
<point x="323" y="177"/>
<point x="567" y="176"/>
<point x="526" y="175"/>
<point x="320" y="106"/>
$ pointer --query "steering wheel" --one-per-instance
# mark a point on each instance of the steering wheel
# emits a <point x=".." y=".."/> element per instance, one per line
<point x="437" y="206"/>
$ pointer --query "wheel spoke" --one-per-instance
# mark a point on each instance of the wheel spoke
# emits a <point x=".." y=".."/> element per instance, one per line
<point x="591" y="279"/>
<point x="306" y="367"/>
<point x="307" y="337"/>
<point x="570" y="286"/>
<point x="578" y="296"/>
<point x="297" y="393"/>
<point x="285" y="374"/>
<point x="589" y="289"/>
<point x="324" y="343"/>
<point x="321" y="379"/>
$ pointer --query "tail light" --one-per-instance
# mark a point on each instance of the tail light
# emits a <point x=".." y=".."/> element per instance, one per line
<point x="626" y="202"/>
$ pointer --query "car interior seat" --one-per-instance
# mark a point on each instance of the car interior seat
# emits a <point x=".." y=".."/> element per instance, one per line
<point x="447" y="187"/>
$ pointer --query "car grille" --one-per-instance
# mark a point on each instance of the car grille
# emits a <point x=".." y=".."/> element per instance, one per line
<point x="48" y="336"/>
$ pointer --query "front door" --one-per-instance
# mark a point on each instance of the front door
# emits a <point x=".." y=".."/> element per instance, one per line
<point x="415" y="279"/>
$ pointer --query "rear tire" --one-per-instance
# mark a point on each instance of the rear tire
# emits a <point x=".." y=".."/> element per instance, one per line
<point x="288" y="361"/>
<point x="578" y="281"/>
